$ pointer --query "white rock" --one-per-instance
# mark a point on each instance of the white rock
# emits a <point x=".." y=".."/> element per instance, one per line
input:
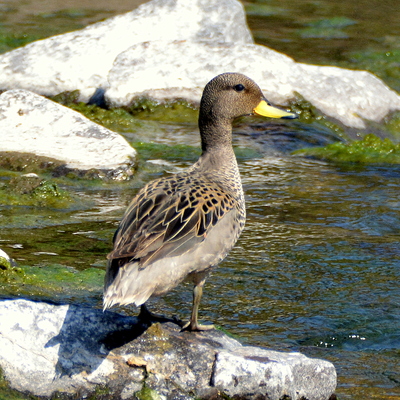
<point x="349" y="96"/>
<point x="250" y="369"/>
<point x="170" y="49"/>
<point x="180" y="69"/>
<point x="81" y="59"/>
<point x="70" y="349"/>
<point x="33" y="124"/>
<point x="28" y="334"/>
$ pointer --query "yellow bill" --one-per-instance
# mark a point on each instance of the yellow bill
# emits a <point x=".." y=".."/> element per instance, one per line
<point x="266" y="110"/>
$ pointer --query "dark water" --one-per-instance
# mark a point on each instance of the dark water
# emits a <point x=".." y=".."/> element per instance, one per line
<point x="317" y="268"/>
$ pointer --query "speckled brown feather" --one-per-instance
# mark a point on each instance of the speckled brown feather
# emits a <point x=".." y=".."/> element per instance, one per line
<point x="166" y="214"/>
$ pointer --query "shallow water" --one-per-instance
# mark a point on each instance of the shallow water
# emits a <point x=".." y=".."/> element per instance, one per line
<point x="361" y="34"/>
<point x="317" y="268"/>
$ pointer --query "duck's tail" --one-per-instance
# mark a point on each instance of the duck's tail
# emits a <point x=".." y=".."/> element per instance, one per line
<point x="123" y="285"/>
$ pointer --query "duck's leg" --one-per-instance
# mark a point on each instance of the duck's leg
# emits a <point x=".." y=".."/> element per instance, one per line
<point x="193" y="324"/>
<point x="147" y="316"/>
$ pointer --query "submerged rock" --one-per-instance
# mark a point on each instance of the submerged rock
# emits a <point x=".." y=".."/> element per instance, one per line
<point x="33" y="124"/>
<point x="73" y="350"/>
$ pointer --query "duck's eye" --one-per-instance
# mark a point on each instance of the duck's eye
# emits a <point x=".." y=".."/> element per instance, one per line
<point x="239" y="87"/>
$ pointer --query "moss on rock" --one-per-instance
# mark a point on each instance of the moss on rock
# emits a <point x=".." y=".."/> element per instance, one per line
<point x="172" y="111"/>
<point x="370" y="149"/>
<point x="32" y="190"/>
<point x="308" y="114"/>
<point x="51" y="281"/>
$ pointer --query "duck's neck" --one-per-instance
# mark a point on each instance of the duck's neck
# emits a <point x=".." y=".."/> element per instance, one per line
<point x="215" y="133"/>
<point x="218" y="158"/>
<point x="216" y="143"/>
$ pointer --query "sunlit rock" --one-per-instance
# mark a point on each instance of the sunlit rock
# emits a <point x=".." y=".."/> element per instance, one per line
<point x="30" y="123"/>
<point x="352" y="97"/>
<point x="5" y="260"/>
<point x="169" y="49"/>
<point x="81" y="59"/>
<point x="180" y="69"/>
<point x="46" y="348"/>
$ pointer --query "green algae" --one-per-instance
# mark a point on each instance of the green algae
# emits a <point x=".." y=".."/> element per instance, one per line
<point x="67" y="98"/>
<point x="10" y="41"/>
<point x="52" y="238"/>
<point x="28" y="163"/>
<point x="101" y="391"/>
<point x="370" y="149"/>
<point x="31" y="190"/>
<point x="130" y="118"/>
<point x="116" y="119"/>
<point x="181" y="152"/>
<point x="53" y="281"/>
<point x="171" y="111"/>
<point x="147" y="393"/>
<point x="32" y="163"/>
<point x="309" y="114"/>
<point x="5" y="263"/>
<point x="263" y="10"/>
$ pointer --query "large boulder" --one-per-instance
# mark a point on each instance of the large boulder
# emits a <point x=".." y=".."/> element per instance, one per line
<point x="47" y="348"/>
<point x="169" y="49"/>
<point x="170" y="70"/>
<point x="30" y="123"/>
<point x="82" y="59"/>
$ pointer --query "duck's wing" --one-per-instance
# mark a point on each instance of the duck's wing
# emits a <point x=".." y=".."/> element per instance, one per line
<point x="164" y="221"/>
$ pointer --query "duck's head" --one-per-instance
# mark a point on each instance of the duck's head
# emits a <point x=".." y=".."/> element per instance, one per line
<point x="232" y="95"/>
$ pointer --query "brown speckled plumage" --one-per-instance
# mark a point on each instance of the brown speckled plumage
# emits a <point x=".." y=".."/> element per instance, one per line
<point x="182" y="226"/>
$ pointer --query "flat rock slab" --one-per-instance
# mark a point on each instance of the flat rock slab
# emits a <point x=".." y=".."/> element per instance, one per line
<point x="72" y="350"/>
<point x="30" y="123"/>
<point x="170" y="70"/>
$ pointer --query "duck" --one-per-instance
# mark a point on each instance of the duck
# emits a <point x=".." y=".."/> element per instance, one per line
<point x="179" y="228"/>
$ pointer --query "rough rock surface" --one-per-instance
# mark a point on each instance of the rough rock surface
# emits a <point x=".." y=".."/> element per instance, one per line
<point x="169" y="49"/>
<point x="33" y="124"/>
<point x="72" y="350"/>
<point x="180" y="69"/>
<point x="81" y="59"/>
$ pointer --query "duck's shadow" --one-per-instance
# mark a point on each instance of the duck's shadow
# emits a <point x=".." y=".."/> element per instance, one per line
<point x="88" y="335"/>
